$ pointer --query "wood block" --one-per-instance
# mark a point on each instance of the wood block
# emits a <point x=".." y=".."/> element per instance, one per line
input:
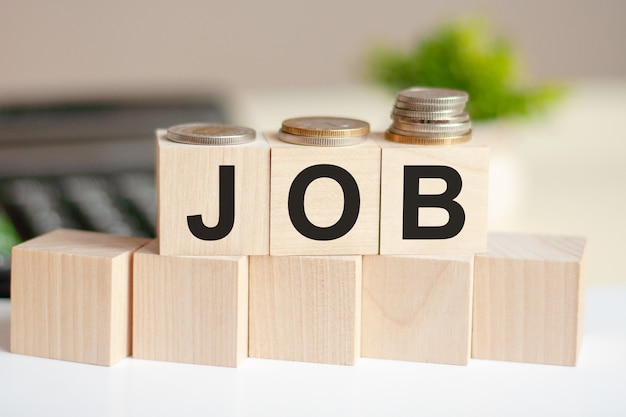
<point x="451" y="182"/>
<point x="191" y="309"/>
<point x="335" y="231"/>
<point x="305" y="308"/>
<point x="529" y="296"/>
<point x="189" y="178"/>
<point x="70" y="296"/>
<point x="417" y="308"/>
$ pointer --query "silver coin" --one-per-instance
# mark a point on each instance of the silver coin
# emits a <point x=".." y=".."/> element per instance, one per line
<point x="320" y="141"/>
<point x="430" y="107"/>
<point x="447" y="128"/>
<point x="425" y="115"/>
<point x="430" y="133"/>
<point x="458" y="118"/>
<point x="210" y="134"/>
<point x="433" y="96"/>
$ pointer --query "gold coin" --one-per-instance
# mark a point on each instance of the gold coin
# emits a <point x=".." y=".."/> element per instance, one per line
<point x="325" y="127"/>
<point x="418" y="140"/>
<point x="315" y="141"/>
<point x="210" y="134"/>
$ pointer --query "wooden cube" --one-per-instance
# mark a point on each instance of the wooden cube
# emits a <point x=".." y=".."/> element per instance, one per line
<point x="433" y="198"/>
<point x="70" y="296"/>
<point x="417" y="308"/>
<point x="338" y="214"/>
<point x="190" y="220"/>
<point x="191" y="309"/>
<point x="529" y="297"/>
<point x="305" y="308"/>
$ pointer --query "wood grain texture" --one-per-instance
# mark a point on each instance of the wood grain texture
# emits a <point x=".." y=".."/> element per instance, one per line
<point x="71" y="296"/>
<point x="470" y="160"/>
<point x="529" y="293"/>
<point x="417" y="308"/>
<point x="190" y="309"/>
<point x="305" y="308"/>
<point x="188" y="185"/>
<point x="324" y="198"/>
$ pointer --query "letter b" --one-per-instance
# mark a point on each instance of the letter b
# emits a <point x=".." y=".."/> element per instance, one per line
<point x="413" y="200"/>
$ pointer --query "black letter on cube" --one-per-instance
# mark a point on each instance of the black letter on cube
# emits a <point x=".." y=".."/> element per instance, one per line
<point x="227" y="209"/>
<point x="413" y="200"/>
<point x="351" y="204"/>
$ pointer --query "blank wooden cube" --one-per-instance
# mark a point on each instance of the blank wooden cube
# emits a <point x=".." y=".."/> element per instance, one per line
<point x="324" y="200"/>
<point x="191" y="309"/>
<point x="529" y="296"/>
<point x="188" y="179"/>
<point x="70" y="296"/>
<point x="399" y="236"/>
<point x="417" y="308"/>
<point x="305" y="308"/>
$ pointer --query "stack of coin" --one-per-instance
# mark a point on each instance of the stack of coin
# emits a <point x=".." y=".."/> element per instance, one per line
<point x="323" y="131"/>
<point x="430" y="116"/>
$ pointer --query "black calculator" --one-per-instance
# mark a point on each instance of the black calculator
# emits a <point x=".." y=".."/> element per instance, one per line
<point x="86" y="165"/>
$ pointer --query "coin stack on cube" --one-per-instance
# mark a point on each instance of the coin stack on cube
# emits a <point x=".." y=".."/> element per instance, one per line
<point x="430" y="116"/>
<point x="323" y="131"/>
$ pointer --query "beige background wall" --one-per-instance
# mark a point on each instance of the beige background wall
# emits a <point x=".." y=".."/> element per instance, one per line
<point x="64" y="46"/>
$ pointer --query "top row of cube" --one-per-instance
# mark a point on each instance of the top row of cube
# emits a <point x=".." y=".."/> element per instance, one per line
<point x="269" y="196"/>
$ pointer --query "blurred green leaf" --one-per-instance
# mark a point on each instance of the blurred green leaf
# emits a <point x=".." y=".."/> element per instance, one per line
<point x="465" y="55"/>
<point x="8" y="237"/>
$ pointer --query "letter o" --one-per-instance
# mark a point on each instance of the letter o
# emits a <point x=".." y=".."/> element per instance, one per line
<point x="351" y="204"/>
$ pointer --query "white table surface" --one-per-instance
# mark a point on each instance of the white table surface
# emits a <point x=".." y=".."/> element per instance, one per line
<point x="32" y="386"/>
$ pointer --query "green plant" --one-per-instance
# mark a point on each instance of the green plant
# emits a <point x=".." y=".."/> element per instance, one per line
<point x="464" y="55"/>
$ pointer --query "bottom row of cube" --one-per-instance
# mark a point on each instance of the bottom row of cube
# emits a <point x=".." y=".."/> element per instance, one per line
<point x="74" y="297"/>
